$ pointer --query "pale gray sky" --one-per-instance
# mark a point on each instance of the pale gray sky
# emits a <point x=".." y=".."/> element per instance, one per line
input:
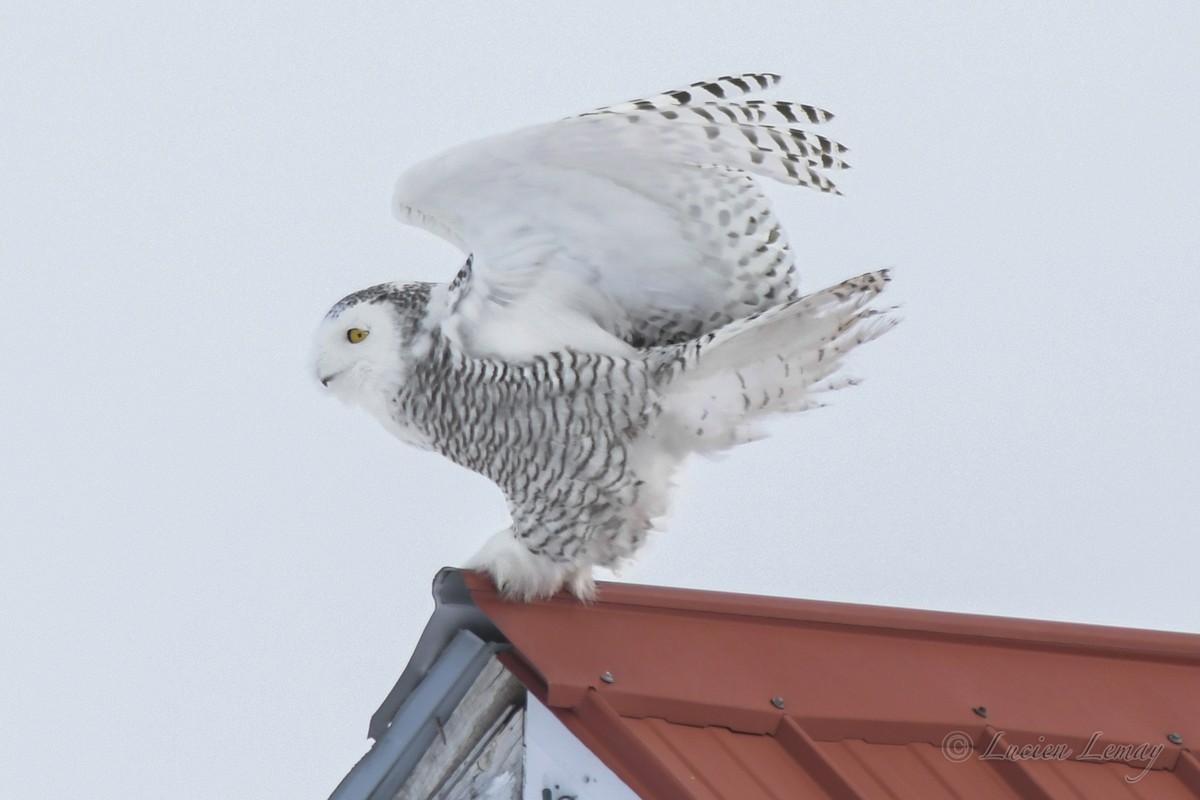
<point x="211" y="573"/>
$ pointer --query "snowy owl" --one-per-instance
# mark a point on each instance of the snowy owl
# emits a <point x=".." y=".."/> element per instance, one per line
<point x="627" y="300"/>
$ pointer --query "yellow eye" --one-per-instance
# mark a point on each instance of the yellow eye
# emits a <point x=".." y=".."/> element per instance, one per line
<point x="356" y="335"/>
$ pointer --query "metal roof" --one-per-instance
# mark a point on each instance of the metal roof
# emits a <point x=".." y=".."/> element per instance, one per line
<point x="690" y="694"/>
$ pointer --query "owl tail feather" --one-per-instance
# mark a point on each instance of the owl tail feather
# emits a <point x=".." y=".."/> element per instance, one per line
<point x="775" y="361"/>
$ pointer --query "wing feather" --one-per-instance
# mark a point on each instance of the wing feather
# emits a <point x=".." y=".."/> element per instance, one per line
<point x="633" y="225"/>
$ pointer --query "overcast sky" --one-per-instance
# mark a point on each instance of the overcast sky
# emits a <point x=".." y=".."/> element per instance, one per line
<point x="211" y="572"/>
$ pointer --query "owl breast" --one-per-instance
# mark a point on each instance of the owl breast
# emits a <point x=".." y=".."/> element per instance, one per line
<point x="555" y="434"/>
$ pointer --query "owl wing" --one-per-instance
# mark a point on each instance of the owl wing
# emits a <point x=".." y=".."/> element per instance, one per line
<point x="632" y="225"/>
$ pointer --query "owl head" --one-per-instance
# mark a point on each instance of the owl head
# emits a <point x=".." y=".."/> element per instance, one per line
<point x="361" y="343"/>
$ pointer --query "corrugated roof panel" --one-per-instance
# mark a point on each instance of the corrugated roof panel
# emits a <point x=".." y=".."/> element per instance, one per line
<point x="706" y="668"/>
<point x="914" y="771"/>
<point x="921" y="770"/>
<point x="1071" y="778"/>
<point x="705" y="695"/>
<point x="723" y="764"/>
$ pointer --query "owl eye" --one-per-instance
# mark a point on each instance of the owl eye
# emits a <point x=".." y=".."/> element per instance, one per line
<point x="356" y="335"/>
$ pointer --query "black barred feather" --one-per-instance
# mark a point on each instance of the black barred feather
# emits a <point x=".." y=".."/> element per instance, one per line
<point x="765" y="126"/>
<point x="629" y="299"/>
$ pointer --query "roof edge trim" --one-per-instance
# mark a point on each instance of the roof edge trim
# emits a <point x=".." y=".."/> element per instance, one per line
<point x="1161" y="645"/>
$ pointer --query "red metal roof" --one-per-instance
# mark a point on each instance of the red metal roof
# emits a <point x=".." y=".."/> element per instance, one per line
<point x="690" y="694"/>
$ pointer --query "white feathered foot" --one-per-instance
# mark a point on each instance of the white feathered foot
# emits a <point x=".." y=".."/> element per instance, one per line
<point x="522" y="575"/>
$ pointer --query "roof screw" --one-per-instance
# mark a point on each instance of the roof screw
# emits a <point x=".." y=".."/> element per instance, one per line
<point x="1174" y="738"/>
<point x="980" y="711"/>
<point x="607" y="677"/>
<point x="777" y="702"/>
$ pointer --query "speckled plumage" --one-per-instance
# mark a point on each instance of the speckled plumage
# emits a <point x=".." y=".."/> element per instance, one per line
<point x="629" y="300"/>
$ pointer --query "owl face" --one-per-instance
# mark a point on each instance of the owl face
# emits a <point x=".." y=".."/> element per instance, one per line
<point x="358" y="348"/>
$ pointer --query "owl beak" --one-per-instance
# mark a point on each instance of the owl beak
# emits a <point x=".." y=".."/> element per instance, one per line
<point x="326" y="379"/>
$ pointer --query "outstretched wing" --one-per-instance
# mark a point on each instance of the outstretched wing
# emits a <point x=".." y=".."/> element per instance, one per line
<point x="632" y="225"/>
